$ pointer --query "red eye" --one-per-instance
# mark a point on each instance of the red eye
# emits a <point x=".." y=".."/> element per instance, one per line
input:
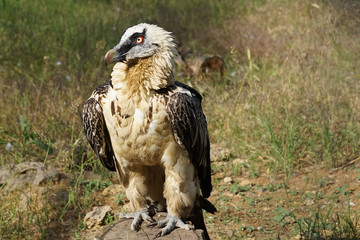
<point x="139" y="40"/>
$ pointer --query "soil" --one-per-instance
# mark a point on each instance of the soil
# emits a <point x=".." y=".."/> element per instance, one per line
<point x="249" y="206"/>
<point x="266" y="208"/>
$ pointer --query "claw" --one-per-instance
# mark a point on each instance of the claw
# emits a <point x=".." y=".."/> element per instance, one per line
<point x="139" y="217"/>
<point x="169" y="224"/>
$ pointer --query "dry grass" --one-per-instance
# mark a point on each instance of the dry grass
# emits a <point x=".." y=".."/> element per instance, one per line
<point x="289" y="97"/>
<point x="295" y="101"/>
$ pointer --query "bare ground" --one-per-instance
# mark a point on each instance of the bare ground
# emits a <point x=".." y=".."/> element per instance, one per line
<point x="250" y="205"/>
<point x="262" y="207"/>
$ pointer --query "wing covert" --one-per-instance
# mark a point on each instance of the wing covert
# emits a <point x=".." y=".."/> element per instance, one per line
<point x="97" y="134"/>
<point x="189" y="126"/>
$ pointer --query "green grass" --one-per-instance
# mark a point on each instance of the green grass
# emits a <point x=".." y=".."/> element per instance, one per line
<point x="330" y="224"/>
<point x="289" y="97"/>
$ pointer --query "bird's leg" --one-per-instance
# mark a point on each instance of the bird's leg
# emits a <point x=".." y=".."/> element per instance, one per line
<point x="169" y="224"/>
<point x="139" y="216"/>
<point x="180" y="191"/>
<point x="136" y="192"/>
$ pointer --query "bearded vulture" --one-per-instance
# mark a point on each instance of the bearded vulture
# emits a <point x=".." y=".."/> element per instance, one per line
<point x="152" y="131"/>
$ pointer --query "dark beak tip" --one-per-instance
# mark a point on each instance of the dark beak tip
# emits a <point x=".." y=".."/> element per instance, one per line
<point x="110" y="57"/>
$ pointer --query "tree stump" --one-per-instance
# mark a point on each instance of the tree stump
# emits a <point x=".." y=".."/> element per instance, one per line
<point x="121" y="230"/>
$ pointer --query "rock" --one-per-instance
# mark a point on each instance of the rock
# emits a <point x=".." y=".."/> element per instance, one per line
<point x="96" y="216"/>
<point x="219" y="175"/>
<point x="9" y="147"/>
<point x="26" y="166"/>
<point x="36" y="173"/>
<point x="244" y="182"/>
<point x="228" y="180"/>
<point x="121" y="230"/>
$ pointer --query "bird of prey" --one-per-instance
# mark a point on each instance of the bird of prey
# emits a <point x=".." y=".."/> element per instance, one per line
<point x="152" y="131"/>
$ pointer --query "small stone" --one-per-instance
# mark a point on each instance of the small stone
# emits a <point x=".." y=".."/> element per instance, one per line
<point x="228" y="180"/>
<point x="9" y="147"/>
<point x="220" y="175"/>
<point x="96" y="216"/>
<point x="244" y="182"/>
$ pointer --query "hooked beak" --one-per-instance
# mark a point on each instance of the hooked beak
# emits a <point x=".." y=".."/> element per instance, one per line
<point x="113" y="56"/>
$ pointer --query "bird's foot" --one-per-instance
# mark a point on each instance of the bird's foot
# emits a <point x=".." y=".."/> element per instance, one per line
<point x="169" y="224"/>
<point x="139" y="217"/>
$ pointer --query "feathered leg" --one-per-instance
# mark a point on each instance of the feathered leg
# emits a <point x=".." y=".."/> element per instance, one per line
<point x="144" y="191"/>
<point x="180" y="190"/>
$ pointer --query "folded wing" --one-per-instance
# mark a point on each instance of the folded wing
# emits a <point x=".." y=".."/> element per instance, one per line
<point x="189" y="126"/>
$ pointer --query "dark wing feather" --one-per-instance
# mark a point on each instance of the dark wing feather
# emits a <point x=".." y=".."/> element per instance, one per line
<point x="189" y="125"/>
<point x="97" y="133"/>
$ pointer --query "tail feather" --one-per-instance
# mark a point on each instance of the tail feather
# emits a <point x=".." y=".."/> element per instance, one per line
<point x="207" y="205"/>
<point x="197" y="217"/>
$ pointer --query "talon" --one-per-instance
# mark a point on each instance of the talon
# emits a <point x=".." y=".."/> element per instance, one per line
<point x="159" y="234"/>
<point x="150" y="220"/>
<point x="169" y="224"/>
<point x="139" y="217"/>
<point x="153" y="224"/>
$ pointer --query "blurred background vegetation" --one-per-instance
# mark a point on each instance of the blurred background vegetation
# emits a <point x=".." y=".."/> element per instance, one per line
<point x="289" y="96"/>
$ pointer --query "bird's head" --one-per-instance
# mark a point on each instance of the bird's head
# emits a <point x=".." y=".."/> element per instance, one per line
<point x="140" y="42"/>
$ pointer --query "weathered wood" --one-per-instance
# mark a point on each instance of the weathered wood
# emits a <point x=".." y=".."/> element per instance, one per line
<point x="121" y="230"/>
<point x="199" y="64"/>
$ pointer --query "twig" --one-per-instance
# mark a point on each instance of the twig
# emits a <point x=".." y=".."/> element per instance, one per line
<point x="345" y="165"/>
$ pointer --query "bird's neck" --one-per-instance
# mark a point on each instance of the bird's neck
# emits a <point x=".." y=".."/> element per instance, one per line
<point x="143" y="77"/>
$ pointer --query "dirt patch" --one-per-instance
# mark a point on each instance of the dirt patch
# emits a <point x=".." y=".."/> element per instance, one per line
<point x="249" y="206"/>
<point x="265" y="207"/>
